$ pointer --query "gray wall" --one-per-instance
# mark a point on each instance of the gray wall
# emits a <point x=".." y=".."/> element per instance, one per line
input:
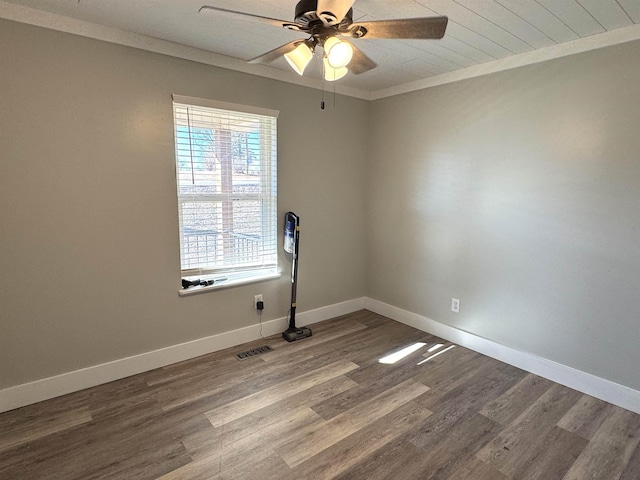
<point x="89" y="246"/>
<point x="518" y="193"/>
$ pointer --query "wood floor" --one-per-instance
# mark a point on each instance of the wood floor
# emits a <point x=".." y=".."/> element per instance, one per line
<point x="325" y="408"/>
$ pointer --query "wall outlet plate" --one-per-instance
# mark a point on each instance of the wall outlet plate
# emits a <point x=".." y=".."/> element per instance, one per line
<point x="455" y="305"/>
<point x="256" y="299"/>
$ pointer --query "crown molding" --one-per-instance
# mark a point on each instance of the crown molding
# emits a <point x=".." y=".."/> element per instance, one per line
<point x="40" y="18"/>
<point x="585" y="44"/>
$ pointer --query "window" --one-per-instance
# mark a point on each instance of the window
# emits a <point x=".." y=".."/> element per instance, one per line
<point x="227" y="191"/>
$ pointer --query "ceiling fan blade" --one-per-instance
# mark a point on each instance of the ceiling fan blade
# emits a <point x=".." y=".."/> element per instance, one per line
<point x="276" y="52"/>
<point x="331" y="12"/>
<point x="418" y="28"/>
<point x="233" y="15"/>
<point x="360" y="63"/>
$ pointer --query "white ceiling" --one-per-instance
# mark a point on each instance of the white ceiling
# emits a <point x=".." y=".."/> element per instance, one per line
<point x="482" y="35"/>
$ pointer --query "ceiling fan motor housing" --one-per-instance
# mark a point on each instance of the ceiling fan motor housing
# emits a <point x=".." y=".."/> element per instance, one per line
<point x="307" y="15"/>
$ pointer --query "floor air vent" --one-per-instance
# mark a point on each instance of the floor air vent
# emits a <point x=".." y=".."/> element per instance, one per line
<point x="253" y="352"/>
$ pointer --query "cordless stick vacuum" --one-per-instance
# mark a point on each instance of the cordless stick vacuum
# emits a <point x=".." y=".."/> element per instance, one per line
<point x="291" y="244"/>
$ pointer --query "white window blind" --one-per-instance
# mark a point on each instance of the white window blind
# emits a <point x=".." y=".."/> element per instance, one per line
<point x="227" y="191"/>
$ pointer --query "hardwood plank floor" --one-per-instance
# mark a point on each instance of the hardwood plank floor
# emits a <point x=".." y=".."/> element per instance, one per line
<point x="326" y="408"/>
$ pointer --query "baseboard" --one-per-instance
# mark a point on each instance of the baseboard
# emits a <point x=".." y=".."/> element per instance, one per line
<point x="46" y="388"/>
<point x="601" y="388"/>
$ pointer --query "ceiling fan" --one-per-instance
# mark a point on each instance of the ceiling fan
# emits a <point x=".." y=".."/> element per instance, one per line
<point x="328" y="23"/>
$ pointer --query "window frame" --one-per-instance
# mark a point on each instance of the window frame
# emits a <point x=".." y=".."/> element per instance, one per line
<point x="227" y="276"/>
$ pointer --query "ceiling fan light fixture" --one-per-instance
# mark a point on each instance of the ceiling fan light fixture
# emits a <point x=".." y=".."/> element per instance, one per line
<point x="299" y="57"/>
<point x="332" y="74"/>
<point x="338" y="53"/>
<point x="328" y="24"/>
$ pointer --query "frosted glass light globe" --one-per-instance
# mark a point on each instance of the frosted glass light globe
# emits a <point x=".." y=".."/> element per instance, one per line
<point x="338" y="53"/>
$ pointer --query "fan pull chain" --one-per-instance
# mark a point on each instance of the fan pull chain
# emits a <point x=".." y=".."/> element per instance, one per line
<point x="322" y="100"/>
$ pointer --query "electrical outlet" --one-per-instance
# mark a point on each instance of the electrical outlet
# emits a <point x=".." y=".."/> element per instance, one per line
<point x="455" y="305"/>
<point x="256" y="299"/>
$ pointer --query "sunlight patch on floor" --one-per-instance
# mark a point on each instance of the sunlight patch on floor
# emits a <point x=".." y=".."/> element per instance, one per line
<point x="436" y="354"/>
<point x="400" y="354"/>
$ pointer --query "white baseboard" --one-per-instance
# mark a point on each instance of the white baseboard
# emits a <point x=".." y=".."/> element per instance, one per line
<point x="46" y="388"/>
<point x="601" y="388"/>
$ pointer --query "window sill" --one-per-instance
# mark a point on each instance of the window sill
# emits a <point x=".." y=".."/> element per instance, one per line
<point x="232" y="282"/>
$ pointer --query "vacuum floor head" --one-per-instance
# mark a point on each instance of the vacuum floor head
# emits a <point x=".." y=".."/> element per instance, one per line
<point x="293" y="334"/>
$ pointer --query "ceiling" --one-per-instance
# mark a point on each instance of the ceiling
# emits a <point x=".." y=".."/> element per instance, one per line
<point x="482" y="35"/>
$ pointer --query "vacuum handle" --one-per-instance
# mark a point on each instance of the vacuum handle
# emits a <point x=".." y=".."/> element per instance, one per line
<point x="292" y="243"/>
<point x="291" y="228"/>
